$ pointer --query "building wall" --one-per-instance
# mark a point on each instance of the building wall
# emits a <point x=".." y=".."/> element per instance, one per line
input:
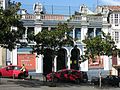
<point x="4" y="3"/>
<point x="83" y="21"/>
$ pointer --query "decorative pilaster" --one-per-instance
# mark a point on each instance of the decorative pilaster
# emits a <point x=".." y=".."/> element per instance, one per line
<point x="94" y="32"/>
<point x="14" y="56"/>
<point x="84" y="31"/>
<point x="39" y="63"/>
<point x="26" y="28"/>
<point x="68" y="63"/>
<point x="55" y="64"/>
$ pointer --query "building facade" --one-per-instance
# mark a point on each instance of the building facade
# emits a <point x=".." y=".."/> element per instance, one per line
<point x="85" y="22"/>
<point x="114" y="20"/>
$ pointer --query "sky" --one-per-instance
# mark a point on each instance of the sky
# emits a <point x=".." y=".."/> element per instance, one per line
<point x="62" y="5"/>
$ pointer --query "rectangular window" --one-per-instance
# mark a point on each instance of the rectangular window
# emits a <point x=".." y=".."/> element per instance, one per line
<point x="98" y="31"/>
<point x="111" y="18"/>
<point x="78" y="33"/>
<point x="90" y="32"/>
<point x="116" y="15"/>
<point x="116" y="37"/>
<point x="71" y="34"/>
<point x="116" y="19"/>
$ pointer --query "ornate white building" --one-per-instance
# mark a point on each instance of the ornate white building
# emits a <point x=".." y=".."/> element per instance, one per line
<point x="105" y="18"/>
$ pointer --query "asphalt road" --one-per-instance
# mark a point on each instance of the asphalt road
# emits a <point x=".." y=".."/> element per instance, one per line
<point x="19" y="84"/>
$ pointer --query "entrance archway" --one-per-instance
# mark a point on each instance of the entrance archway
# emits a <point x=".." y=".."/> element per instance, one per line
<point x="75" y="56"/>
<point x="61" y="59"/>
<point x="47" y="61"/>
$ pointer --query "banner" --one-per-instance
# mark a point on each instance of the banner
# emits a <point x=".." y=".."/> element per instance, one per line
<point x="27" y="59"/>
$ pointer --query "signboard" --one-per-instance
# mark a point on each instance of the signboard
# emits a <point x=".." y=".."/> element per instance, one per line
<point x="28" y="60"/>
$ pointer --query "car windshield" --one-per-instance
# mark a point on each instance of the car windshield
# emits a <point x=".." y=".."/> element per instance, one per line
<point x="14" y="67"/>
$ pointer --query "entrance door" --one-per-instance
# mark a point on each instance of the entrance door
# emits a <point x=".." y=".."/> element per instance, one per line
<point x="61" y="59"/>
<point x="75" y="56"/>
<point x="47" y="61"/>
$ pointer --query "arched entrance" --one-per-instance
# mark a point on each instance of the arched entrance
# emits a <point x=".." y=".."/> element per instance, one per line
<point x="75" y="56"/>
<point x="61" y="59"/>
<point x="47" y="61"/>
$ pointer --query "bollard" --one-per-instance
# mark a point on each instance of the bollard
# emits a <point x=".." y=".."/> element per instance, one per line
<point x="30" y="77"/>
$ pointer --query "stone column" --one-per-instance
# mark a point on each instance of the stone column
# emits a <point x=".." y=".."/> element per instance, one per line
<point x="94" y="32"/>
<point x="68" y="63"/>
<point x="14" y="56"/>
<point x="74" y="33"/>
<point x="106" y="25"/>
<point x="55" y="64"/>
<point x="26" y="28"/>
<point x="84" y="31"/>
<point x="39" y="63"/>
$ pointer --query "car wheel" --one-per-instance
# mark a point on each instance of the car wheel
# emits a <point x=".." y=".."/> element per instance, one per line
<point x="20" y="76"/>
<point x="77" y="81"/>
<point x="55" y="80"/>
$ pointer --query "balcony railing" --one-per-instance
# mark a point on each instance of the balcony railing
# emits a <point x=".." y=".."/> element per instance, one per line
<point x="28" y="16"/>
<point x="45" y="17"/>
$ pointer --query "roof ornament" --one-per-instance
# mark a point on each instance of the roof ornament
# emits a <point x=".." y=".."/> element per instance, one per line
<point x="38" y="8"/>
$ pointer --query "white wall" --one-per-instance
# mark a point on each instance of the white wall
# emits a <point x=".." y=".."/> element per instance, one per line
<point x="84" y="66"/>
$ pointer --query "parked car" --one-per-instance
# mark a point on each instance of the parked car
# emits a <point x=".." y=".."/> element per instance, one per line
<point x="110" y="80"/>
<point x="66" y="75"/>
<point x="12" y="71"/>
<point x="84" y="77"/>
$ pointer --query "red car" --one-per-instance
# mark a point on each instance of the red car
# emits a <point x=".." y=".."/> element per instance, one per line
<point x="65" y="75"/>
<point x="12" y="71"/>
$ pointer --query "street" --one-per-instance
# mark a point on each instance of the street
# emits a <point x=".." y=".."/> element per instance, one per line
<point x="19" y="84"/>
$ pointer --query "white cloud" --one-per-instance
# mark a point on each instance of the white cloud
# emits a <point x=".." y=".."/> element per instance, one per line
<point x="111" y="2"/>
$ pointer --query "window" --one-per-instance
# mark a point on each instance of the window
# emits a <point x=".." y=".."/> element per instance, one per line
<point x="116" y="19"/>
<point x="17" y="68"/>
<point x="98" y="31"/>
<point x="111" y="19"/>
<point x="78" y="33"/>
<point x="71" y="34"/>
<point x="116" y="37"/>
<point x="91" y="32"/>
